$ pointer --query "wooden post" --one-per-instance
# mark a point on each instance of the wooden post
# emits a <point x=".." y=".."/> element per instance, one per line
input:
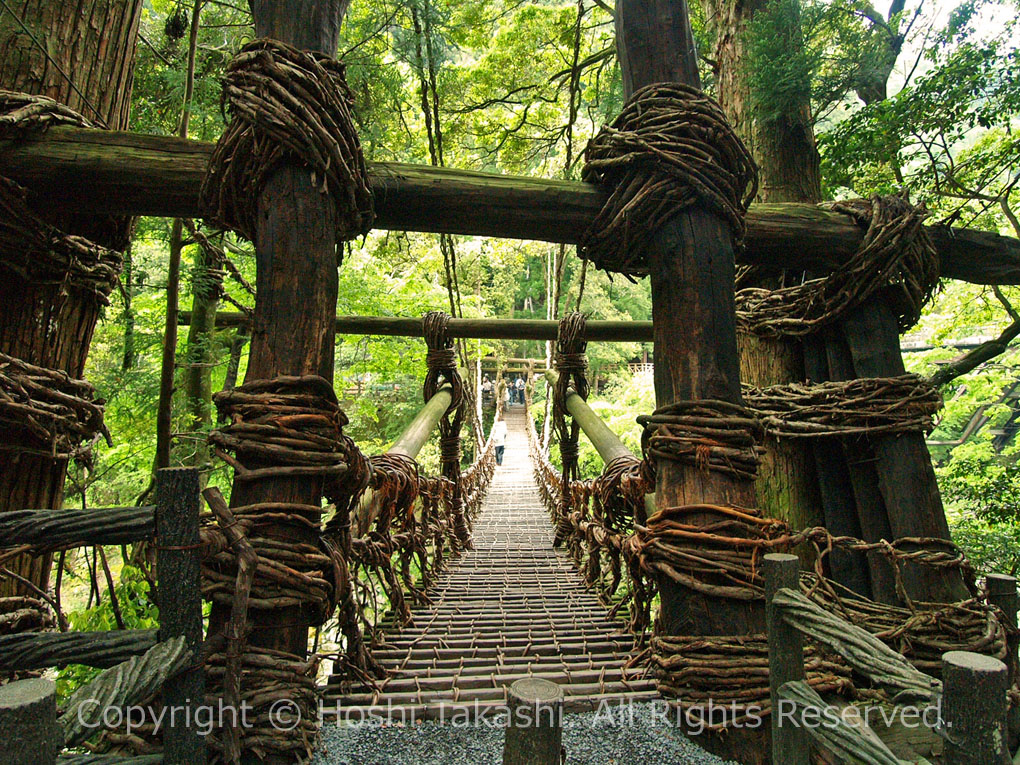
<point x="906" y="478"/>
<point x="790" y="743"/>
<point x="974" y="709"/>
<point x="534" y="732"/>
<point x="691" y="268"/>
<point x="295" y="311"/>
<point x="1002" y="594"/>
<point x="28" y="723"/>
<point x="179" y="595"/>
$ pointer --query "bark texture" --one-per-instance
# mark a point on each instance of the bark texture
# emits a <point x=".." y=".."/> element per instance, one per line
<point x="85" y="59"/>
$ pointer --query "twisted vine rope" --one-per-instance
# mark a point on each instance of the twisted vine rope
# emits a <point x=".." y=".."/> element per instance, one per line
<point x="21" y="613"/>
<point x="287" y="104"/>
<point x="907" y="403"/>
<point x="896" y="254"/>
<point x="280" y="428"/>
<point x="129" y="683"/>
<point x="29" y="246"/>
<point x="733" y="672"/>
<point x="711" y="435"/>
<point x="571" y="364"/>
<point x="47" y="412"/>
<point x="441" y="361"/>
<point x="671" y="147"/>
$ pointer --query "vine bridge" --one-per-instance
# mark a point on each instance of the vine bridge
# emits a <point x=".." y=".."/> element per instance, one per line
<point x="779" y="540"/>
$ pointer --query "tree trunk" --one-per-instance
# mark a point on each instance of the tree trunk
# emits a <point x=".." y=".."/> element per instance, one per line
<point x="201" y="356"/>
<point x="788" y="162"/>
<point x="39" y="324"/>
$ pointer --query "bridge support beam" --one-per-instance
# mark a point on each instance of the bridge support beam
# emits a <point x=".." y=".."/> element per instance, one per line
<point x="691" y="267"/>
<point x="295" y="311"/>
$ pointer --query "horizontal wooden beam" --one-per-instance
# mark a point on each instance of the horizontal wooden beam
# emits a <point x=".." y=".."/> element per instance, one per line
<point x="98" y="171"/>
<point x="484" y="329"/>
<point x="43" y="650"/>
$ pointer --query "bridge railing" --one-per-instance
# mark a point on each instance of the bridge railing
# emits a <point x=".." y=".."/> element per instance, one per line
<point x="137" y="663"/>
<point x="967" y="707"/>
<point x="595" y="519"/>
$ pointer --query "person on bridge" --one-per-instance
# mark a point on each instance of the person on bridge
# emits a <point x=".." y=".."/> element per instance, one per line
<point x="520" y="390"/>
<point x="499" y="437"/>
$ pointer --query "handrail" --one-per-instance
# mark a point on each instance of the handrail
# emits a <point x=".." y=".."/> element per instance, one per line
<point x="411" y="441"/>
<point x="606" y="442"/>
<point x="971" y="697"/>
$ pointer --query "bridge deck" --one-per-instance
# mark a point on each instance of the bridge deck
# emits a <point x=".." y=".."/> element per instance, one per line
<point x="511" y="608"/>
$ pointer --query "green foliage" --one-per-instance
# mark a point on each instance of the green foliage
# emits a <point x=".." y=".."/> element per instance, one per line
<point x="137" y="610"/>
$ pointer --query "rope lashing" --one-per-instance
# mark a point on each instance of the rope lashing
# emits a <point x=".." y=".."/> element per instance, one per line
<point x="866" y="406"/>
<point x="670" y="148"/>
<point x="285" y="105"/>
<point x="571" y="364"/>
<point x="441" y="362"/>
<point x="30" y="247"/>
<point x="47" y="412"/>
<point x="270" y="678"/>
<point x="711" y="435"/>
<point x="732" y="672"/>
<point x="23" y="114"/>
<point x="285" y="427"/>
<point x="711" y="549"/>
<point x="619" y="493"/>
<point x="896" y="255"/>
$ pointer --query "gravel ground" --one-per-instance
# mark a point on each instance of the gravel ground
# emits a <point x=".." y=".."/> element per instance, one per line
<point x="632" y="736"/>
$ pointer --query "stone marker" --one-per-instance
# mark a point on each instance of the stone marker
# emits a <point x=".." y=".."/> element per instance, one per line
<point x="534" y="732"/>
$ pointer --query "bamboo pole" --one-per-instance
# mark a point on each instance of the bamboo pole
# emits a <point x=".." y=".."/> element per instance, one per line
<point x="606" y="442"/>
<point x="415" y="435"/>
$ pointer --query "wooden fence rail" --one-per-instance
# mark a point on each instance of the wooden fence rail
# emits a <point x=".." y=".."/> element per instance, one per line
<point x="174" y="524"/>
<point x="49" y="530"/>
<point x="970" y="701"/>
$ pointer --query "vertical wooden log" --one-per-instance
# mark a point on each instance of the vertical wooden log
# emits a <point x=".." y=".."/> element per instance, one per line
<point x="295" y="308"/>
<point x="906" y="478"/>
<point x="790" y="743"/>
<point x="691" y="269"/>
<point x="848" y="568"/>
<point x="28" y="723"/>
<point x="859" y="459"/>
<point x="179" y="595"/>
<point x="974" y="709"/>
<point x="534" y="732"/>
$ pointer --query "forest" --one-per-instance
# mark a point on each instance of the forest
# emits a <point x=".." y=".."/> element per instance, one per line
<point x="836" y="99"/>
<point x="923" y="97"/>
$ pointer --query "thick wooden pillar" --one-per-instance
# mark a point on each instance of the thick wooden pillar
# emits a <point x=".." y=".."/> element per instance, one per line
<point x="83" y="56"/>
<point x="691" y="270"/>
<point x="293" y="327"/>
<point x="691" y="267"/>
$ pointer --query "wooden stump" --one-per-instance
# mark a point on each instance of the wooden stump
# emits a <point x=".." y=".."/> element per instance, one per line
<point x="28" y="723"/>
<point x="974" y="709"/>
<point x="534" y="732"/>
